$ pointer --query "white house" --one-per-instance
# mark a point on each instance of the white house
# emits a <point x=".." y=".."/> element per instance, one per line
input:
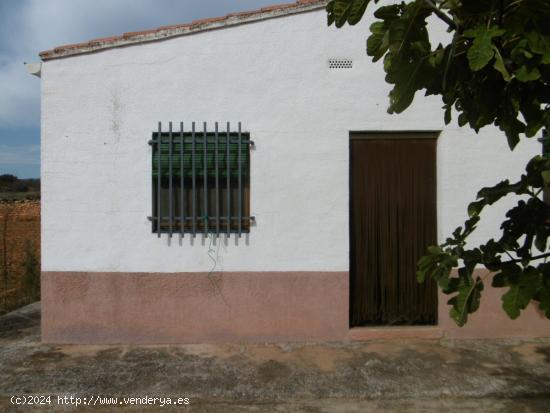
<point x="331" y="199"/>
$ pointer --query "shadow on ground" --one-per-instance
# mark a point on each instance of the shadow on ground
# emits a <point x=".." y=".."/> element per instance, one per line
<point x="424" y="376"/>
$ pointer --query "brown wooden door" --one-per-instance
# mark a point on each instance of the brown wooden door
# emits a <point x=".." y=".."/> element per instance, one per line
<point x="392" y="221"/>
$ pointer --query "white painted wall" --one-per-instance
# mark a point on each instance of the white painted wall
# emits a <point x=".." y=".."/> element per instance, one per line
<point x="98" y="112"/>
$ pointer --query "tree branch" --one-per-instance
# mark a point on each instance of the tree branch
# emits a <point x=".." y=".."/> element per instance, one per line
<point x="440" y="14"/>
<point x="538" y="257"/>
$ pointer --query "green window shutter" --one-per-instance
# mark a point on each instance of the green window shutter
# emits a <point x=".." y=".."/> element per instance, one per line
<point x="199" y="156"/>
<point x="201" y="181"/>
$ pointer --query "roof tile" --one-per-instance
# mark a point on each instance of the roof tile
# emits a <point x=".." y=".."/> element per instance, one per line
<point x="181" y="29"/>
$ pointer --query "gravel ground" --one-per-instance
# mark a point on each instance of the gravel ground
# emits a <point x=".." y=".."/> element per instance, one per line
<point x="384" y="376"/>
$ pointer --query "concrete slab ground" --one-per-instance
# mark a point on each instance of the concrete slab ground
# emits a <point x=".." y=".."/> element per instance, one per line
<point x="384" y="376"/>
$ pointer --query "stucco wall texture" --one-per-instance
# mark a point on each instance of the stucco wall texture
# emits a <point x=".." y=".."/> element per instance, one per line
<point x="99" y="110"/>
<point x="167" y="308"/>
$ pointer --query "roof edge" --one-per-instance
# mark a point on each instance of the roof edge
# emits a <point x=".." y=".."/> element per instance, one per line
<point x="168" y="32"/>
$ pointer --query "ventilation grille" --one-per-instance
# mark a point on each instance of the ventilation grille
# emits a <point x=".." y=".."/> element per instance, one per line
<point x="340" y="64"/>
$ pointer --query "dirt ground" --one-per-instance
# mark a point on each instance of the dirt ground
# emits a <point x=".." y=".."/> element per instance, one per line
<point x="385" y="376"/>
<point x="20" y="222"/>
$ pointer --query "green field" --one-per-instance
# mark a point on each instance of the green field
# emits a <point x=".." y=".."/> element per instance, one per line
<point x="16" y="196"/>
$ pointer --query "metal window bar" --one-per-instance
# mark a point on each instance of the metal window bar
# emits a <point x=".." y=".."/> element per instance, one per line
<point x="182" y="184"/>
<point x="205" y="179"/>
<point x="217" y="161"/>
<point x="240" y="195"/>
<point x="189" y="218"/>
<point x="228" y="166"/>
<point x="159" y="183"/>
<point x="170" y="180"/>
<point x="210" y="142"/>
<point x="194" y="176"/>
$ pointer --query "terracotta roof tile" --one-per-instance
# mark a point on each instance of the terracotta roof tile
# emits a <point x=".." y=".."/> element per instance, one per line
<point x="206" y="21"/>
<point x="103" y="39"/>
<point x="141" y="33"/>
<point x="182" y="29"/>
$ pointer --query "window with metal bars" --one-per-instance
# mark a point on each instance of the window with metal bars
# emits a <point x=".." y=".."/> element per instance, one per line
<point x="201" y="181"/>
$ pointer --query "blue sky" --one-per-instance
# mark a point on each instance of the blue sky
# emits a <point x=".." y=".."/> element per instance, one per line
<point x="30" y="26"/>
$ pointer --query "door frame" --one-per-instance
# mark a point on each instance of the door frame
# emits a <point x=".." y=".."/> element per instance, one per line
<point x="388" y="134"/>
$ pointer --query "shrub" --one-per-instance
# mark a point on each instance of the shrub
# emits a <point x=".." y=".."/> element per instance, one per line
<point x="31" y="274"/>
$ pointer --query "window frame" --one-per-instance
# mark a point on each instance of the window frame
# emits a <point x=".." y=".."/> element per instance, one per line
<point x="211" y="160"/>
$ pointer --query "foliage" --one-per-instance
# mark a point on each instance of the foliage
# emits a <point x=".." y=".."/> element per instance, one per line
<point x="5" y="217"/>
<point x="12" y="184"/>
<point x="31" y="275"/>
<point x="494" y="70"/>
<point x="7" y="179"/>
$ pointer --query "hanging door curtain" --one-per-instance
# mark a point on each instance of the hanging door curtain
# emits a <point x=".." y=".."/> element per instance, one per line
<point x="393" y="220"/>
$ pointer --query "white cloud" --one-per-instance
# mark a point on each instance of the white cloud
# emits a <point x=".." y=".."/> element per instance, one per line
<point x="20" y="97"/>
<point x="19" y="155"/>
<point x="29" y="26"/>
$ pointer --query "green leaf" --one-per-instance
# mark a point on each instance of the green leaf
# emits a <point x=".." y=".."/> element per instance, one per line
<point x="462" y="119"/>
<point x="470" y="225"/>
<point x="437" y="264"/>
<point x="541" y="238"/>
<point x="476" y="207"/>
<point x="408" y="79"/>
<point x="434" y="249"/>
<point x="544" y="298"/>
<point x="341" y="11"/>
<point x="448" y="114"/>
<point x="538" y="43"/>
<point x="499" y="281"/>
<point x="525" y="74"/>
<point x="378" y="41"/>
<point x="452" y="285"/>
<point x="511" y="302"/>
<point x="494" y="193"/>
<point x="388" y="12"/>
<point x="545" y="178"/>
<point x="512" y="127"/>
<point x="509" y="274"/>
<point x="409" y="60"/>
<point x="467" y="300"/>
<point x="356" y="11"/>
<point x="520" y="295"/>
<point x="482" y="50"/>
<point x="513" y="139"/>
<point x="500" y="66"/>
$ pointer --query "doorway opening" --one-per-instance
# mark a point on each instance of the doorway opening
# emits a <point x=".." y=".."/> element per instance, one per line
<point x="393" y="219"/>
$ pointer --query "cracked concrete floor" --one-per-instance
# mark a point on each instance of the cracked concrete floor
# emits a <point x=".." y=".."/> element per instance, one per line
<point x="383" y="376"/>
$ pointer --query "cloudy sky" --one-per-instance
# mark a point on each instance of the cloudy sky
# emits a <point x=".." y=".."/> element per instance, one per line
<point x="30" y="26"/>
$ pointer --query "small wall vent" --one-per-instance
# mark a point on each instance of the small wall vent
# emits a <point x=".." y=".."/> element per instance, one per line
<point x="340" y="63"/>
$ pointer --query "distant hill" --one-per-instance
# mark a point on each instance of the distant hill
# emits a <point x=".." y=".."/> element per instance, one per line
<point x="11" y="187"/>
